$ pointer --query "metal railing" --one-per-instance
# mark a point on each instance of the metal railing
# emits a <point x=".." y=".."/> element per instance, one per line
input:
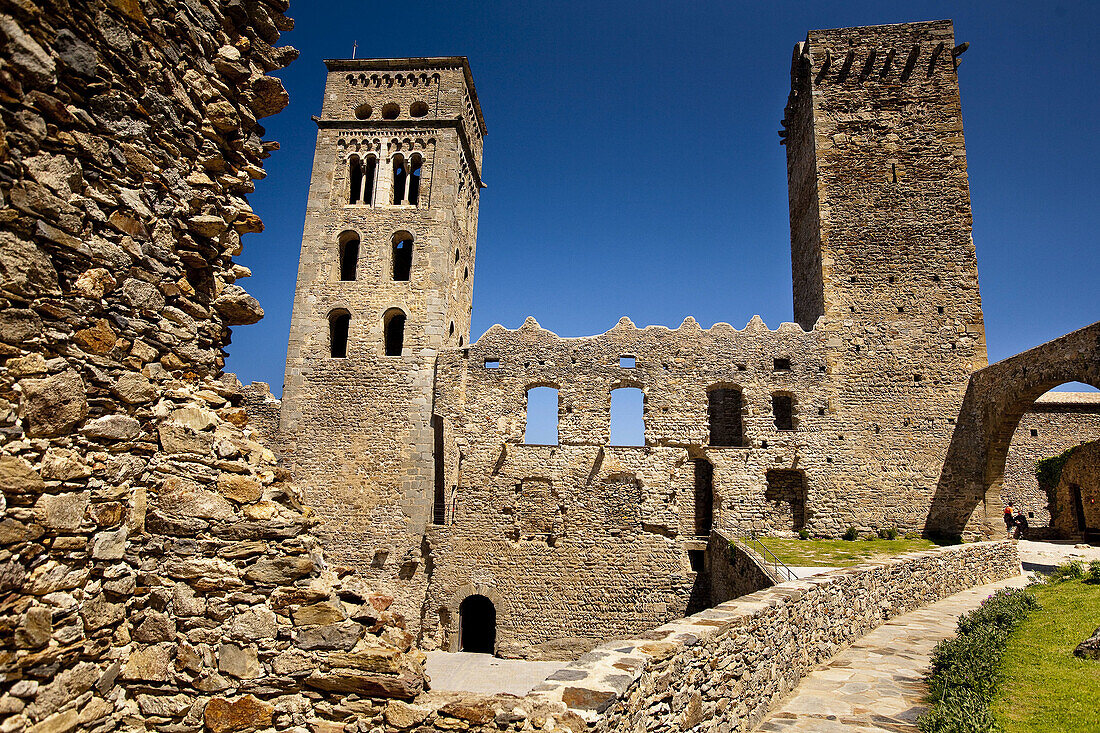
<point x="772" y="562"/>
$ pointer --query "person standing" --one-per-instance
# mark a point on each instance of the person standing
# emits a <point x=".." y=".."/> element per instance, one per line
<point x="1010" y="520"/>
<point x="1021" y="526"/>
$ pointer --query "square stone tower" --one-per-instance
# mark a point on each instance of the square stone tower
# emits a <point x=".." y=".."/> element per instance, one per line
<point x="881" y="249"/>
<point x="385" y="281"/>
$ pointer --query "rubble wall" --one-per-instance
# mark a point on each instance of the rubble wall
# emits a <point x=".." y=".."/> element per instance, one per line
<point x="157" y="567"/>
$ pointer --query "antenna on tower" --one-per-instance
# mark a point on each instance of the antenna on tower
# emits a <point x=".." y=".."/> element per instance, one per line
<point x="354" y="47"/>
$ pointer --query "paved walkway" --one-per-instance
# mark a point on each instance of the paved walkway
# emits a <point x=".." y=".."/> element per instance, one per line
<point x="468" y="672"/>
<point x="876" y="684"/>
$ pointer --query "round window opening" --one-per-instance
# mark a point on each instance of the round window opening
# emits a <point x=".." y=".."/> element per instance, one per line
<point x="418" y="109"/>
<point x="363" y="112"/>
<point x="390" y="111"/>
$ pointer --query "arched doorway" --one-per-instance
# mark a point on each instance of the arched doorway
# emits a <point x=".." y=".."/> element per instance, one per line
<point x="477" y="618"/>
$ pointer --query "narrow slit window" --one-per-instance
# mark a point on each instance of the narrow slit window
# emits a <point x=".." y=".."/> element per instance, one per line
<point x="783" y="411"/>
<point x="355" y="179"/>
<point x="492" y="363"/>
<point x="339" y="324"/>
<point x="542" y="416"/>
<point x="724" y="417"/>
<point x="394" y="327"/>
<point x="627" y="417"/>
<point x="704" y="497"/>
<point x="402" y="255"/>
<point x="349" y="256"/>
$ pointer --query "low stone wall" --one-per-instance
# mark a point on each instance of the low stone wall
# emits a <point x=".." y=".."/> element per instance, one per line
<point x="733" y="570"/>
<point x="729" y="664"/>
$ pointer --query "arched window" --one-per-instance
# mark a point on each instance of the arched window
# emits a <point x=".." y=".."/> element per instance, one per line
<point x="400" y="179"/>
<point x="415" y="164"/>
<point x="349" y="255"/>
<point x="783" y="410"/>
<point x="339" y="323"/>
<point x="355" y="179"/>
<point x="724" y="416"/>
<point x="627" y="416"/>
<point x="393" y="324"/>
<point x="370" y="175"/>
<point x="542" y="416"/>
<point x="402" y="255"/>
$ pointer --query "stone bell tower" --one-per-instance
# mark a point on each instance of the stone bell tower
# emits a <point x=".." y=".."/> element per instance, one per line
<point x="385" y="281"/>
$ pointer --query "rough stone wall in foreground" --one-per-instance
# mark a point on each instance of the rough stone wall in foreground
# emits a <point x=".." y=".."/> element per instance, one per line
<point x="157" y="568"/>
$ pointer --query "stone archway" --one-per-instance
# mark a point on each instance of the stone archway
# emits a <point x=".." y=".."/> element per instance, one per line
<point x="452" y="617"/>
<point x="967" y="498"/>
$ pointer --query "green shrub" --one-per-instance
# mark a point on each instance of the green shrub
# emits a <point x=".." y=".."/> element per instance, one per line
<point x="1049" y="470"/>
<point x="851" y="534"/>
<point x="1072" y="570"/>
<point x="888" y="533"/>
<point x="803" y="534"/>
<point x="966" y="670"/>
<point x="1094" y="573"/>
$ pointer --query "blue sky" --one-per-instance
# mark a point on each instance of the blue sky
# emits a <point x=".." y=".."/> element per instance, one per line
<point x="633" y="165"/>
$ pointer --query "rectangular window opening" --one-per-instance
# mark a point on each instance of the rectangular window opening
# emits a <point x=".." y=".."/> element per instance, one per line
<point x="697" y="558"/>
<point x="492" y="363"/>
<point x="781" y="365"/>
<point x="627" y="362"/>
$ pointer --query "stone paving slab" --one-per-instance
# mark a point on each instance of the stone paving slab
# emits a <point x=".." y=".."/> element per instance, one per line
<point x="484" y="673"/>
<point x="876" y="684"/>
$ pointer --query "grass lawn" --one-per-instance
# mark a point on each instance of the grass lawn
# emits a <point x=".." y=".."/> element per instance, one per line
<point x="840" y="553"/>
<point x="1045" y="687"/>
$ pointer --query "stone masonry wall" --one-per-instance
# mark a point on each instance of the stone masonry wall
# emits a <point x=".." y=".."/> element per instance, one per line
<point x="728" y="665"/>
<point x="1057" y="421"/>
<point x="157" y="567"/>
<point x="1080" y="475"/>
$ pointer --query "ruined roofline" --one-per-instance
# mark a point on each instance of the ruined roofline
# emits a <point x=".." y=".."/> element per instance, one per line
<point x="883" y="26"/>
<point x="416" y="62"/>
<point x="755" y="325"/>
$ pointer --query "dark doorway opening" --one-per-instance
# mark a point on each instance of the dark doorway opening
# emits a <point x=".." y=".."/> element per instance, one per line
<point x="478" y="625"/>
<point x="439" y="505"/>
<point x="1078" y="507"/>
<point x="704" y="498"/>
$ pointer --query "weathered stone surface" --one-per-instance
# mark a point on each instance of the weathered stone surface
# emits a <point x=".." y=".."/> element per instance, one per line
<point x="148" y="664"/>
<point x="404" y="686"/>
<point x="17" y="476"/>
<point x="239" y="716"/>
<point x="254" y="625"/>
<point x="401" y="714"/>
<point x="333" y="636"/>
<point x="328" y="612"/>
<point x="36" y="629"/>
<point x="62" y="512"/>
<point x="25" y="270"/>
<point x="477" y="712"/>
<point x="133" y="388"/>
<point x="241" y="489"/>
<point x="109" y="545"/>
<point x="240" y="662"/>
<point x="54" y="405"/>
<point x="280" y="570"/>
<point x="112" y="427"/>
<point x="98" y="339"/>
<point x="1090" y="647"/>
<point x="192" y="500"/>
<point x="237" y="307"/>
